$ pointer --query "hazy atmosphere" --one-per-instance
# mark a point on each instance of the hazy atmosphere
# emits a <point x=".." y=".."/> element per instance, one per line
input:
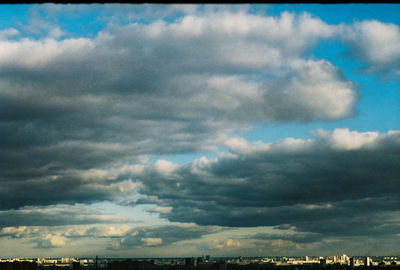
<point x="165" y="130"/>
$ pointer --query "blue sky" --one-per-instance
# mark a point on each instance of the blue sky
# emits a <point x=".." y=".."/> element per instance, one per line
<point x="185" y="130"/>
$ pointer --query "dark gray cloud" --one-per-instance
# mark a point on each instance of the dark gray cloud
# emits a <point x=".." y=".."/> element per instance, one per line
<point x="56" y="216"/>
<point x="74" y="104"/>
<point x="64" y="187"/>
<point x="332" y="185"/>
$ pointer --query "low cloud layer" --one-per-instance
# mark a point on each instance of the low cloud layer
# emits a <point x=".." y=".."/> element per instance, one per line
<point x="293" y="237"/>
<point x="332" y="184"/>
<point x="56" y="216"/>
<point x="161" y="236"/>
<point x="114" y="237"/>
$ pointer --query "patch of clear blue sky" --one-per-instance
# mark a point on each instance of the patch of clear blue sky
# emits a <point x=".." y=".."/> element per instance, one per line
<point x="10" y="15"/>
<point x="378" y="108"/>
<point x="338" y="13"/>
<point x="92" y="18"/>
<point x="84" y="19"/>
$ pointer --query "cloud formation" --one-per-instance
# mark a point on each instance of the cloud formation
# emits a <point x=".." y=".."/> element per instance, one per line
<point x="20" y="231"/>
<point x="161" y="236"/>
<point x="74" y="104"/>
<point x="293" y="237"/>
<point x="82" y="115"/>
<point x="51" y="241"/>
<point x="342" y="178"/>
<point x="56" y="216"/>
<point x="118" y="237"/>
<point x="228" y="243"/>
<point x="376" y="44"/>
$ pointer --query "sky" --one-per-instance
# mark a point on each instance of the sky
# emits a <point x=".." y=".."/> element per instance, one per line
<point x="189" y="130"/>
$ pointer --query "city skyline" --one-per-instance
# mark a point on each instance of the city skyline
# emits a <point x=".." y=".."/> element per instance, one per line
<point x="204" y="263"/>
<point x="186" y="130"/>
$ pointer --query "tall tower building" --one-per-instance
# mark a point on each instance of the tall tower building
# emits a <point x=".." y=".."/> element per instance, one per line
<point x="367" y="261"/>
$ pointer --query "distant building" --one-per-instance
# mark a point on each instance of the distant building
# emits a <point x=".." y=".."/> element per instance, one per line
<point x="67" y="260"/>
<point x="344" y="259"/>
<point x="352" y="263"/>
<point x="367" y="261"/>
